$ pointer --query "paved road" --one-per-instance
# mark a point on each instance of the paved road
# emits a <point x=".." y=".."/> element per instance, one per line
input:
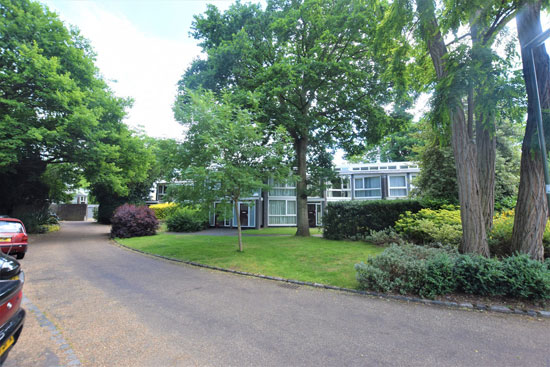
<point x="95" y="304"/>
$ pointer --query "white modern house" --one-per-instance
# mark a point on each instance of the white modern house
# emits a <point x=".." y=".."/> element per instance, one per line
<point x="277" y="206"/>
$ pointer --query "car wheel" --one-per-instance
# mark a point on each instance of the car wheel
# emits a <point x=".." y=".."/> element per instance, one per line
<point x="20" y="255"/>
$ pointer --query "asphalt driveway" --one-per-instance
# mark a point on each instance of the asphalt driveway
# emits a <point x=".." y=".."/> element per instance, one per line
<point x="93" y="303"/>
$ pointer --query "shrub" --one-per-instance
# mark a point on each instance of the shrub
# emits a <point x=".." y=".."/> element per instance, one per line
<point x="429" y="272"/>
<point x="479" y="275"/>
<point x="500" y="238"/>
<point x="186" y="219"/>
<point x="404" y="269"/>
<point x="355" y="219"/>
<point x="428" y="226"/>
<point x="384" y="237"/>
<point x="162" y="211"/>
<point x="35" y="219"/>
<point x="526" y="278"/>
<point x="133" y="221"/>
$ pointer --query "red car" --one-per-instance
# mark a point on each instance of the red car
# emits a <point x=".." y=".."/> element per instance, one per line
<point x="12" y="316"/>
<point x="13" y="237"/>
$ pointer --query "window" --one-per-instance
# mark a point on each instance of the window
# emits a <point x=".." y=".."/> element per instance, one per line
<point x="282" y="212"/>
<point x="13" y="227"/>
<point x="339" y="188"/>
<point x="398" y="186"/>
<point x="368" y="187"/>
<point x="282" y="189"/>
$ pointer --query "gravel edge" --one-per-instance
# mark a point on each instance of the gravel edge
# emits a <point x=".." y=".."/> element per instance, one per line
<point x="54" y="332"/>
<point x="464" y="306"/>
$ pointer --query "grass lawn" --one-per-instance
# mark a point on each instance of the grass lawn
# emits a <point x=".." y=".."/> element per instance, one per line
<point x="310" y="259"/>
<point x="280" y="230"/>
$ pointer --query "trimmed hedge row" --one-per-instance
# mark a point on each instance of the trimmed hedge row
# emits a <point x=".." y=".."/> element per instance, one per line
<point x="355" y="219"/>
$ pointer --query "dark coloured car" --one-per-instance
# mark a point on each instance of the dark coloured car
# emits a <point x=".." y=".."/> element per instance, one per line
<point x="12" y="316"/>
<point x="13" y="237"/>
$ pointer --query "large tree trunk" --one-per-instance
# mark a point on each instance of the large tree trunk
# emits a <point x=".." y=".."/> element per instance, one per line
<point x="474" y="236"/>
<point x="485" y="137"/>
<point x="486" y="146"/>
<point x="300" y="145"/>
<point x="532" y="208"/>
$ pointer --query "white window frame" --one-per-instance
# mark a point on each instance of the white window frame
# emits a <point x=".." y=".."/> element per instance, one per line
<point x="295" y="215"/>
<point x="281" y="186"/>
<point x="344" y="192"/>
<point x="355" y="189"/>
<point x="390" y="187"/>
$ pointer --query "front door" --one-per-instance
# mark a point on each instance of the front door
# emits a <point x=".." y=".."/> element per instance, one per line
<point x="312" y="215"/>
<point x="243" y="213"/>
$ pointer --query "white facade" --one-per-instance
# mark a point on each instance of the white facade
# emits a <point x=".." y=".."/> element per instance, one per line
<point x="277" y="207"/>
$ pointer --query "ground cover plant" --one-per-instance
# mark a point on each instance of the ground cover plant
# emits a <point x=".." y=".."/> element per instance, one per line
<point x="310" y="259"/>
<point x="429" y="272"/>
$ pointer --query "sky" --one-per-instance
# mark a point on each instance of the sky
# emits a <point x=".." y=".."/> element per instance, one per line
<point x="143" y="47"/>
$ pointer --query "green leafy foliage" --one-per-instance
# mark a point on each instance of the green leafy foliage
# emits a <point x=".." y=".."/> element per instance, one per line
<point x="227" y="157"/>
<point x="429" y="226"/>
<point x="312" y="69"/>
<point x="164" y="210"/>
<point x="186" y="219"/>
<point x="59" y="121"/>
<point x="356" y="219"/>
<point x="429" y="272"/>
<point x="500" y="237"/>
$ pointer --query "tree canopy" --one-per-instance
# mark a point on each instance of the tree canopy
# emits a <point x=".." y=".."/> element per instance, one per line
<point x="312" y="68"/>
<point x="56" y="111"/>
<point x="228" y="157"/>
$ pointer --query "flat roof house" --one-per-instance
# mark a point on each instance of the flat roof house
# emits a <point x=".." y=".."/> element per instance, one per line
<point x="277" y="206"/>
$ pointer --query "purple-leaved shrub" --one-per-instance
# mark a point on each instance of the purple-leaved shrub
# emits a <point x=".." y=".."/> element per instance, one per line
<point x="133" y="221"/>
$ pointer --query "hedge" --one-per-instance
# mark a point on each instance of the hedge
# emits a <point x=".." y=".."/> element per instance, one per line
<point x="430" y="272"/>
<point x="355" y="219"/>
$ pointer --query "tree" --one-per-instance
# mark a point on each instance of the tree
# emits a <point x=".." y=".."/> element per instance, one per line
<point x="401" y="146"/>
<point x="58" y="119"/>
<point x="312" y="66"/>
<point x="227" y="156"/>
<point x="470" y="82"/>
<point x="532" y="207"/>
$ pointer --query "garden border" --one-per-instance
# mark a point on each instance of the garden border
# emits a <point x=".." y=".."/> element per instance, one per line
<point x="464" y="306"/>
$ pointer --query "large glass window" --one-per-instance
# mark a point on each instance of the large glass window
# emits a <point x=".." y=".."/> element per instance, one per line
<point x="281" y="188"/>
<point x="339" y="188"/>
<point x="282" y="212"/>
<point x="398" y="186"/>
<point x="368" y="187"/>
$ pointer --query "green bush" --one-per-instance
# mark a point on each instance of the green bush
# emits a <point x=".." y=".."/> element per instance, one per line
<point x="500" y="238"/>
<point x="384" y="237"/>
<point x="404" y="269"/>
<point x="355" y="219"/>
<point x="479" y="275"/>
<point x="35" y="219"/>
<point x="429" y="272"/>
<point x="428" y="226"/>
<point x="186" y="219"/>
<point x="163" y="210"/>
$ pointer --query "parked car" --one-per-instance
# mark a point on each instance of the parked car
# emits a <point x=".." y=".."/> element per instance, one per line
<point x="13" y="237"/>
<point x="12" y="316"/>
